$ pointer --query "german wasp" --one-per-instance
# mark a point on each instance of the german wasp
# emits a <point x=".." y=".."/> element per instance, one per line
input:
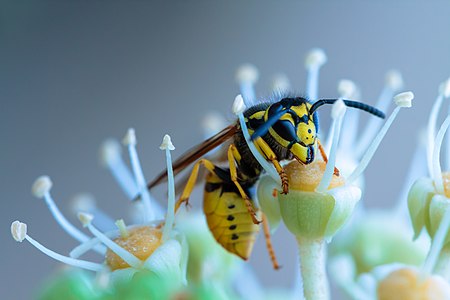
<point x="282" y="130"/>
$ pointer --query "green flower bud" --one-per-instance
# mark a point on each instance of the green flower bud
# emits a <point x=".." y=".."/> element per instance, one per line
<point x="268" y="201"/>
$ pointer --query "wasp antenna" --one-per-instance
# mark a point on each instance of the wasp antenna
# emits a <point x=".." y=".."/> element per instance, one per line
<point x="355" y="104"/>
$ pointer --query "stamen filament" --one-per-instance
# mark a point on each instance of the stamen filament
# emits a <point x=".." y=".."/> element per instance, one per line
<point x="88" y="245"/>
<point x="432" y="131"/>
<point x="314" y="60"/>
<point x="246" y="76"/>
<point x="437" y="173"/>
<point x="167" y="146"/>
<point x="338" y="112"/>
<point x="436" y="246"/>
<point x="348" y="90"/>
<point x="374" y="124"/>
<point x="112" y="159"/>
<point x="64" y="259"/>
<point x="129" y="258"/>
<point x="130" y="141"/>
<point x="122" y="228"/>
<point x="238" y="109"/>
<point x="402" y="100"/>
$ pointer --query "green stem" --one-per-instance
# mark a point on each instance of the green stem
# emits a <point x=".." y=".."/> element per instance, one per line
<point x="313" y="269"/>
<point x="443" y="263"/>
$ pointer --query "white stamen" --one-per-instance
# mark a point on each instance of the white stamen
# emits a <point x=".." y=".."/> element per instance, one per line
<point x="85" y="202"/>
<point x="314" y="60"/>
<point x="110" y="151"/>
<point x="212" y="123"/>
<point x="270" y="169"/>
<point x="394" y="80"/>
<point x="432" y="129"/>
<point x="247" y="73"/>
<point x="129" y="258"/>
<point x="378" y="138"/>
<point x="122" y="228"/>
<point x="393" y="83"/>
<point x="246" y="76"/>
<point x="43" y="183"/>
<point x="110" y="156"/>
<point x="238" y="105"/>
<point x="19" y="231"/>
<point x="41" y="186"/>
<point x="85" y="218"/>
<point x="167" y="143"/>
<point x="280" y="83"/>
<point x="347" y="89"/>
<point x="446" y="88"/>
<point x="337" y="114"/>
<point x="437" y="172"/>
<point x="404" y="99"/>
<point x="170" y="217"/>
<point x="436" y="246"/>
<point x="130" y="140"/>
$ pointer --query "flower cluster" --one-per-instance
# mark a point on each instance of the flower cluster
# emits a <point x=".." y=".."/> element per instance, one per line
<point x="369" y="254"/>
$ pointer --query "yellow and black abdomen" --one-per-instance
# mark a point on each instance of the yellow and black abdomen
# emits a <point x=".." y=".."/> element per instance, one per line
<point x="227" y="217"/>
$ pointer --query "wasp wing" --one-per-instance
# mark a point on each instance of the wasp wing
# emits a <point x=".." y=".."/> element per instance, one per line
<point x="195" y="153"/>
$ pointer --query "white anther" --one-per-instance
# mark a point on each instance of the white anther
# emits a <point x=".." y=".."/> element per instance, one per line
<point x="167" y="143"/>
<point x="446" y="88"/>
<point x="315" y="58"/>
<point x="347" y="89"/>
<point x="110" y="151"/>
<point x="130" y="138"/>
<point x="238" y="105"/>
<point x="338" y="109"/>
<point x="394" y="80"/>
<point x="213" y="122"/>
<point x="41" y="186"/>
<point x="247" y="73"/>
<point x="18" y="231"/>
<point x="280" y="83"/>
<point x="83" y="202"/>
<point x="85" y="218"/>
<point x="404" y="99"/>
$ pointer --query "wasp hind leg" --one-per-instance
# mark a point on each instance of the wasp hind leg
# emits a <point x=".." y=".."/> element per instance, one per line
<point x="191" y="181"/>
<point x="269" y="246"/>
<point x="235" y="156"/>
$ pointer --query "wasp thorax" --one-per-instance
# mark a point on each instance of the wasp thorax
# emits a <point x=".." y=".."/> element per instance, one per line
<point x="307" y="177"/>
<point x="408" y="284"/>
<point x="141" y="242"/>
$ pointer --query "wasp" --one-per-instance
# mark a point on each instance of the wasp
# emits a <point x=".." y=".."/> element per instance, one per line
<point x="282" y="130"/>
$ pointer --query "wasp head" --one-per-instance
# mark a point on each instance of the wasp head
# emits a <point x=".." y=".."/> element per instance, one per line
<point x="295" y="129"/>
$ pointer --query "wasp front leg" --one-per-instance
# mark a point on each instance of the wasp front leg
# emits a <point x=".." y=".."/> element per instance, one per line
<point x="233" y="157"/>
<point x="325" y="158"/>
<point x="270" y="155"/>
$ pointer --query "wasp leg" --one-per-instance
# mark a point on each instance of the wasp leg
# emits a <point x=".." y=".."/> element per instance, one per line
<point x="325" y="158"/>
<point x="269" y="246"/>
<point x="191" y="181"/>
<point x="233" y="156"/>
<point x="270" y="155"/>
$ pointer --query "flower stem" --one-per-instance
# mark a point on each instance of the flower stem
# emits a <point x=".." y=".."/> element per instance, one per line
<point x="443" y="263"/>
<point x="312" y="267"/>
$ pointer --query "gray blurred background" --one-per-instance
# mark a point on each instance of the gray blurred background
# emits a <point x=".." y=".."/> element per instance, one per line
<point x="73" y="73"/>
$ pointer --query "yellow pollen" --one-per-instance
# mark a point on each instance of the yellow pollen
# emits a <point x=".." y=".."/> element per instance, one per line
<point x="446" y="183"/>
<point x="406" y="284"/>
<point x="141" y="241"/>
<point x="307" y="177"/>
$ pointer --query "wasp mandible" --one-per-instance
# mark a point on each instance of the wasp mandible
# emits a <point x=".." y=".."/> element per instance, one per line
<point x="282" y="130"/>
